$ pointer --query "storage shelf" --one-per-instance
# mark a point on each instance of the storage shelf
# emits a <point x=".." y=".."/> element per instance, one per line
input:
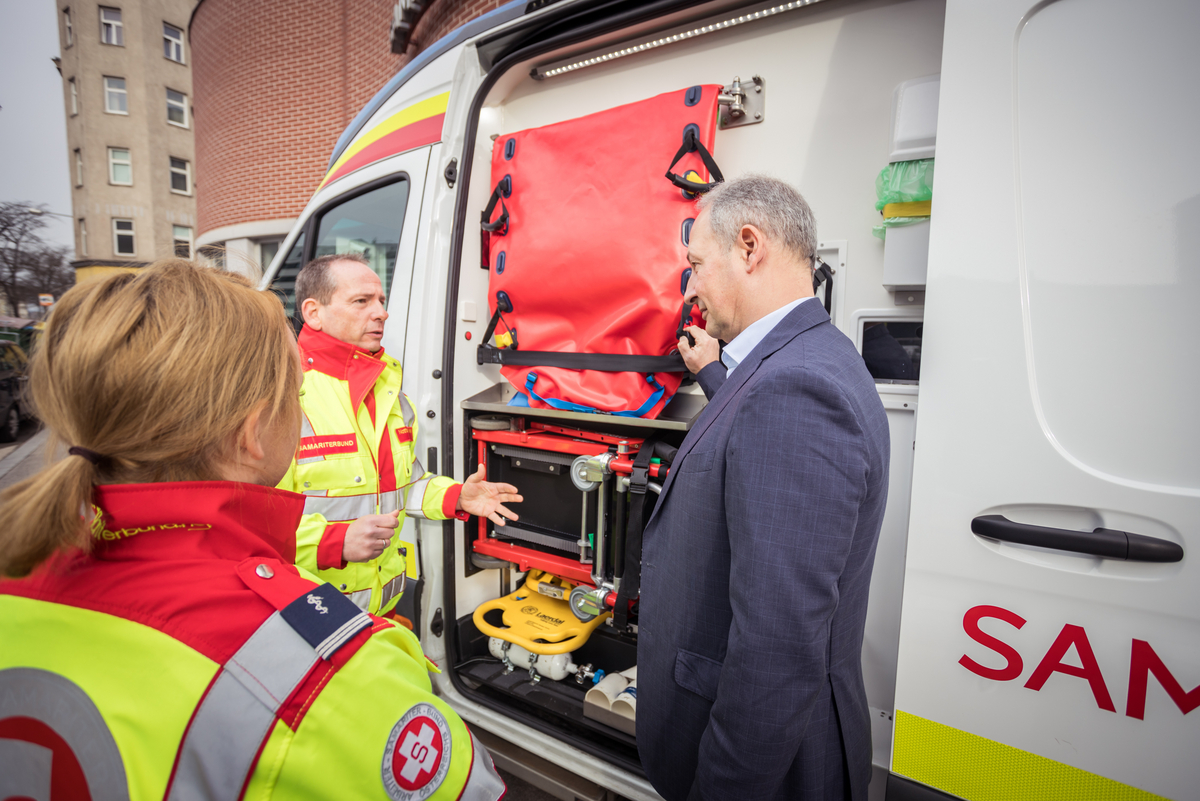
<point x="679" y="414"/>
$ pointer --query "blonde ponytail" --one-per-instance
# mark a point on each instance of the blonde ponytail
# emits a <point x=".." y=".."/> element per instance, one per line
<point x="150" y="375"/>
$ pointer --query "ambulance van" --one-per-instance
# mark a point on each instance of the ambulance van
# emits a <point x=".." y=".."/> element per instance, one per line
<point x="1034" y="625"/>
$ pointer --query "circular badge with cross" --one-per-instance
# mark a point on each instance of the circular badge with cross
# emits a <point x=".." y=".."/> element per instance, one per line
<point x="417" y="757"/>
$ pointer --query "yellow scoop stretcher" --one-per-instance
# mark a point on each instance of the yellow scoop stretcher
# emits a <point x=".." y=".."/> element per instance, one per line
<point x="538" y="617"/>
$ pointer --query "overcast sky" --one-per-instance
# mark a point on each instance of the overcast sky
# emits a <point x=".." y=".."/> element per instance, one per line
<point x="33" y="129"/>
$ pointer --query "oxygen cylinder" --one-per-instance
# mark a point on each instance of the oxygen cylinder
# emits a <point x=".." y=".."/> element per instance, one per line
<point x="556" y="667"/>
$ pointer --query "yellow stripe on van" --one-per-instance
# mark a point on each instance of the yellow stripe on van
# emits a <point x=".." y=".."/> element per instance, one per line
<point x="405" y="116"/>
<point x="979" y="769"/>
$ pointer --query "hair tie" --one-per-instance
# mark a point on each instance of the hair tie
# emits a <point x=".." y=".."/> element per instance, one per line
<point x="91" y="456"/>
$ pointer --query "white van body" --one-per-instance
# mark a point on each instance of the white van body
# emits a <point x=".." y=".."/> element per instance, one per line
<point x="1057" y="388"/>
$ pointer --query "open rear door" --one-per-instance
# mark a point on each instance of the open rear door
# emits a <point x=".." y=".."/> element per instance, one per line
<point x="1060" y="376"/>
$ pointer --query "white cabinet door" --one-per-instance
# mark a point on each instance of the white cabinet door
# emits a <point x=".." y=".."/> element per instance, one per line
<point x="1059" y="389"/>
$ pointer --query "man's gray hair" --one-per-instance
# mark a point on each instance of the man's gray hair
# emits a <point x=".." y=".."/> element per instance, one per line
<point x="315" y="280"/>
<point x="770" y="205"/>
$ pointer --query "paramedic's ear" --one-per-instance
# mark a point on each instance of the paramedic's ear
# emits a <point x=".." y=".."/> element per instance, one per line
<point x="751" y="246"/>
<point x="310" y="311"/>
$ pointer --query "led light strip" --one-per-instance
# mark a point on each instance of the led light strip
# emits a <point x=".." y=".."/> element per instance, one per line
<point x="540" y="73"/>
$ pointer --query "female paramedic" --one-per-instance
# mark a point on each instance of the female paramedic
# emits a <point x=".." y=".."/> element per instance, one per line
<point x="155" y="639"/>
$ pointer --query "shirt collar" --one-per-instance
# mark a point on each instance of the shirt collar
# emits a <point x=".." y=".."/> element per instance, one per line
<point x="225" y="519"/>
<point x="740" y="346"/>
<point x="325" y="354"/>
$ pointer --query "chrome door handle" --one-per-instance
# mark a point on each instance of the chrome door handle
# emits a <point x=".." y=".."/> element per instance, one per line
<point x="1104" y="542"/>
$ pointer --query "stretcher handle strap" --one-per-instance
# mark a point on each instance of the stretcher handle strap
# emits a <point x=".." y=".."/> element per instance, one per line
<point x="685" y="319"/>
<point x="566" y="406"/>
<point x="500" y="226"/>
<point x="631" y="582"/>
<point x="691" y="144"/>
<point x="821" y="274"/>
<point x="605" y="362"/>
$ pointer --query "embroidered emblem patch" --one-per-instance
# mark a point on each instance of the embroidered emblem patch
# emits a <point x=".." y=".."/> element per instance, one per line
<point x="417" y="757"/>
<point x="327" y="445"/>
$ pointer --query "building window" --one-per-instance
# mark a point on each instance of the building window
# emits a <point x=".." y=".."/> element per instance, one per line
<point x="172" y="43"/>
<point x="78" y="167"/>
<point x="177" y="108"/>
<point x="181" y="176"/>
<point x="112" y="30"/>
<point x="74" y="97"/>
<point x="116" y="98"/>
<point x="82" y="237"/>
<point x="183" y="241"/>
<point x="120" y="166"/>
<point x="123" y="237"/>
<point x="266" y="252"/>
<point x="68" y="31"/>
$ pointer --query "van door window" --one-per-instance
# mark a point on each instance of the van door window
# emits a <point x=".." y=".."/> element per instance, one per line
<point x="369" y="224"/>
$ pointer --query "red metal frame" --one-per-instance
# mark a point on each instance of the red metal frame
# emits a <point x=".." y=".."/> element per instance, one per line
<point x="526" y="558"/>
<point x="557" y="439"/>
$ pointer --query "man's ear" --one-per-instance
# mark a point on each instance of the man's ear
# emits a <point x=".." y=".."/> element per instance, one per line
<point x="310" y="311"/>
<point x="751" y="246"/>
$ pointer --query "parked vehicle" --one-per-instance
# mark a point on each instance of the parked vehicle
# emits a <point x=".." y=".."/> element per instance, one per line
<point x="1034" y="628"/>
<point x="14" y="377"/>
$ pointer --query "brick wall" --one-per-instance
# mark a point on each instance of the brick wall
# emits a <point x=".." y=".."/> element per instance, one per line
<point x="277" y="81"/>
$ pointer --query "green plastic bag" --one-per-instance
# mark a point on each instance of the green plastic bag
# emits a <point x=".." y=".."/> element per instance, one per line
<point x="903" y="182"/>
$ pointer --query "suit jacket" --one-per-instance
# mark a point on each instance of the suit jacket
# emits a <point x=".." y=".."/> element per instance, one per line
<point x="756" y="567"/>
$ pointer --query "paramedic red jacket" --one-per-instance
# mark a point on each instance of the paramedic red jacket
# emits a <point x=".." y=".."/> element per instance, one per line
<point x="357" y="458"/>
<point x="187" y="657"/>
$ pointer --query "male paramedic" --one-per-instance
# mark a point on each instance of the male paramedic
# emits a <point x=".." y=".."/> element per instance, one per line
<point x="356" y="460"/>
<point x="757" y="559"/>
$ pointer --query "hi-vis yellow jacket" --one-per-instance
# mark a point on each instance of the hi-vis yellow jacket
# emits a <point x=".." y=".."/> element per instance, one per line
<point x="187" y="657"/>
<point x="356" y="457"/>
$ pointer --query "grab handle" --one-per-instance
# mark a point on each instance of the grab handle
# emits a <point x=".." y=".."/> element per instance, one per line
<point x="1104" y="542"/>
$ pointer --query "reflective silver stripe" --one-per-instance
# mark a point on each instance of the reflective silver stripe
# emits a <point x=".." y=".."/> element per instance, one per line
<point x="361" y="598"/>
<point x="342" y="507"/>
<point x="393" y="589"/>
<point x="407" y="410"/>
<point x="391" y="501"/>
<point x="415" y="496"/>
<point x="306" y="430"/>
<point x="59" y="703"/>
<point x="237" y="713"/>
<point x="483" y="782"/>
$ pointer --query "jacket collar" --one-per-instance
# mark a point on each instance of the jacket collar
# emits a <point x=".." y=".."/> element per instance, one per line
<point x="357" y="367"/>
<point x="195" y="519"/>
<point x="797" y="321"/>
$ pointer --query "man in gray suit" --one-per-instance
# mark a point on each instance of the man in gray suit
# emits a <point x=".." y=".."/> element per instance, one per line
<point x="757" y="560"/>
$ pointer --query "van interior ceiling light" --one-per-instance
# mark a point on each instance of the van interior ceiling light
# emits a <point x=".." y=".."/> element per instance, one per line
<point x="561" y="68"/>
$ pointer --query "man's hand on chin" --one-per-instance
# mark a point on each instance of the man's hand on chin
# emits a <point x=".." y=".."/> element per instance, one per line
<point x="706" y="350"/>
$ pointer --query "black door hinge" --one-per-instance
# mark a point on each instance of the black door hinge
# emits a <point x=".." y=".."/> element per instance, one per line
<point x="437" y="625"/>
<point x="451" y="173"/>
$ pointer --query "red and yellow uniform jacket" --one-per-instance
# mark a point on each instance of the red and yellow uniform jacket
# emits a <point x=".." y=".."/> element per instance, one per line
<point x="187" y="657"/>
<point x="356" y="457"/>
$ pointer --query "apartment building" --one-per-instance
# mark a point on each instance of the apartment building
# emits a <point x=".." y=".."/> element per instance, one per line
<point x="127" y="89"/>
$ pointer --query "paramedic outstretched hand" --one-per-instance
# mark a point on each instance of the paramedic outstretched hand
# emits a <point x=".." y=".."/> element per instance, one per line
<point x="704" y="354"/>
<point x="486" y="499"/>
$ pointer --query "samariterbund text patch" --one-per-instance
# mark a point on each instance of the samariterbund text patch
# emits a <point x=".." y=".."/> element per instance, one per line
<point x="327" y="446"/>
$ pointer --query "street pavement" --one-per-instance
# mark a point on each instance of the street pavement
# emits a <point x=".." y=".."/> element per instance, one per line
<point x="21" y="459"/>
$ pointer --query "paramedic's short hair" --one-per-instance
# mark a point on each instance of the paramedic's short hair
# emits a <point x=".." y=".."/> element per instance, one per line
<point x="315" y="280"/>
<point x="770" y="205"/>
